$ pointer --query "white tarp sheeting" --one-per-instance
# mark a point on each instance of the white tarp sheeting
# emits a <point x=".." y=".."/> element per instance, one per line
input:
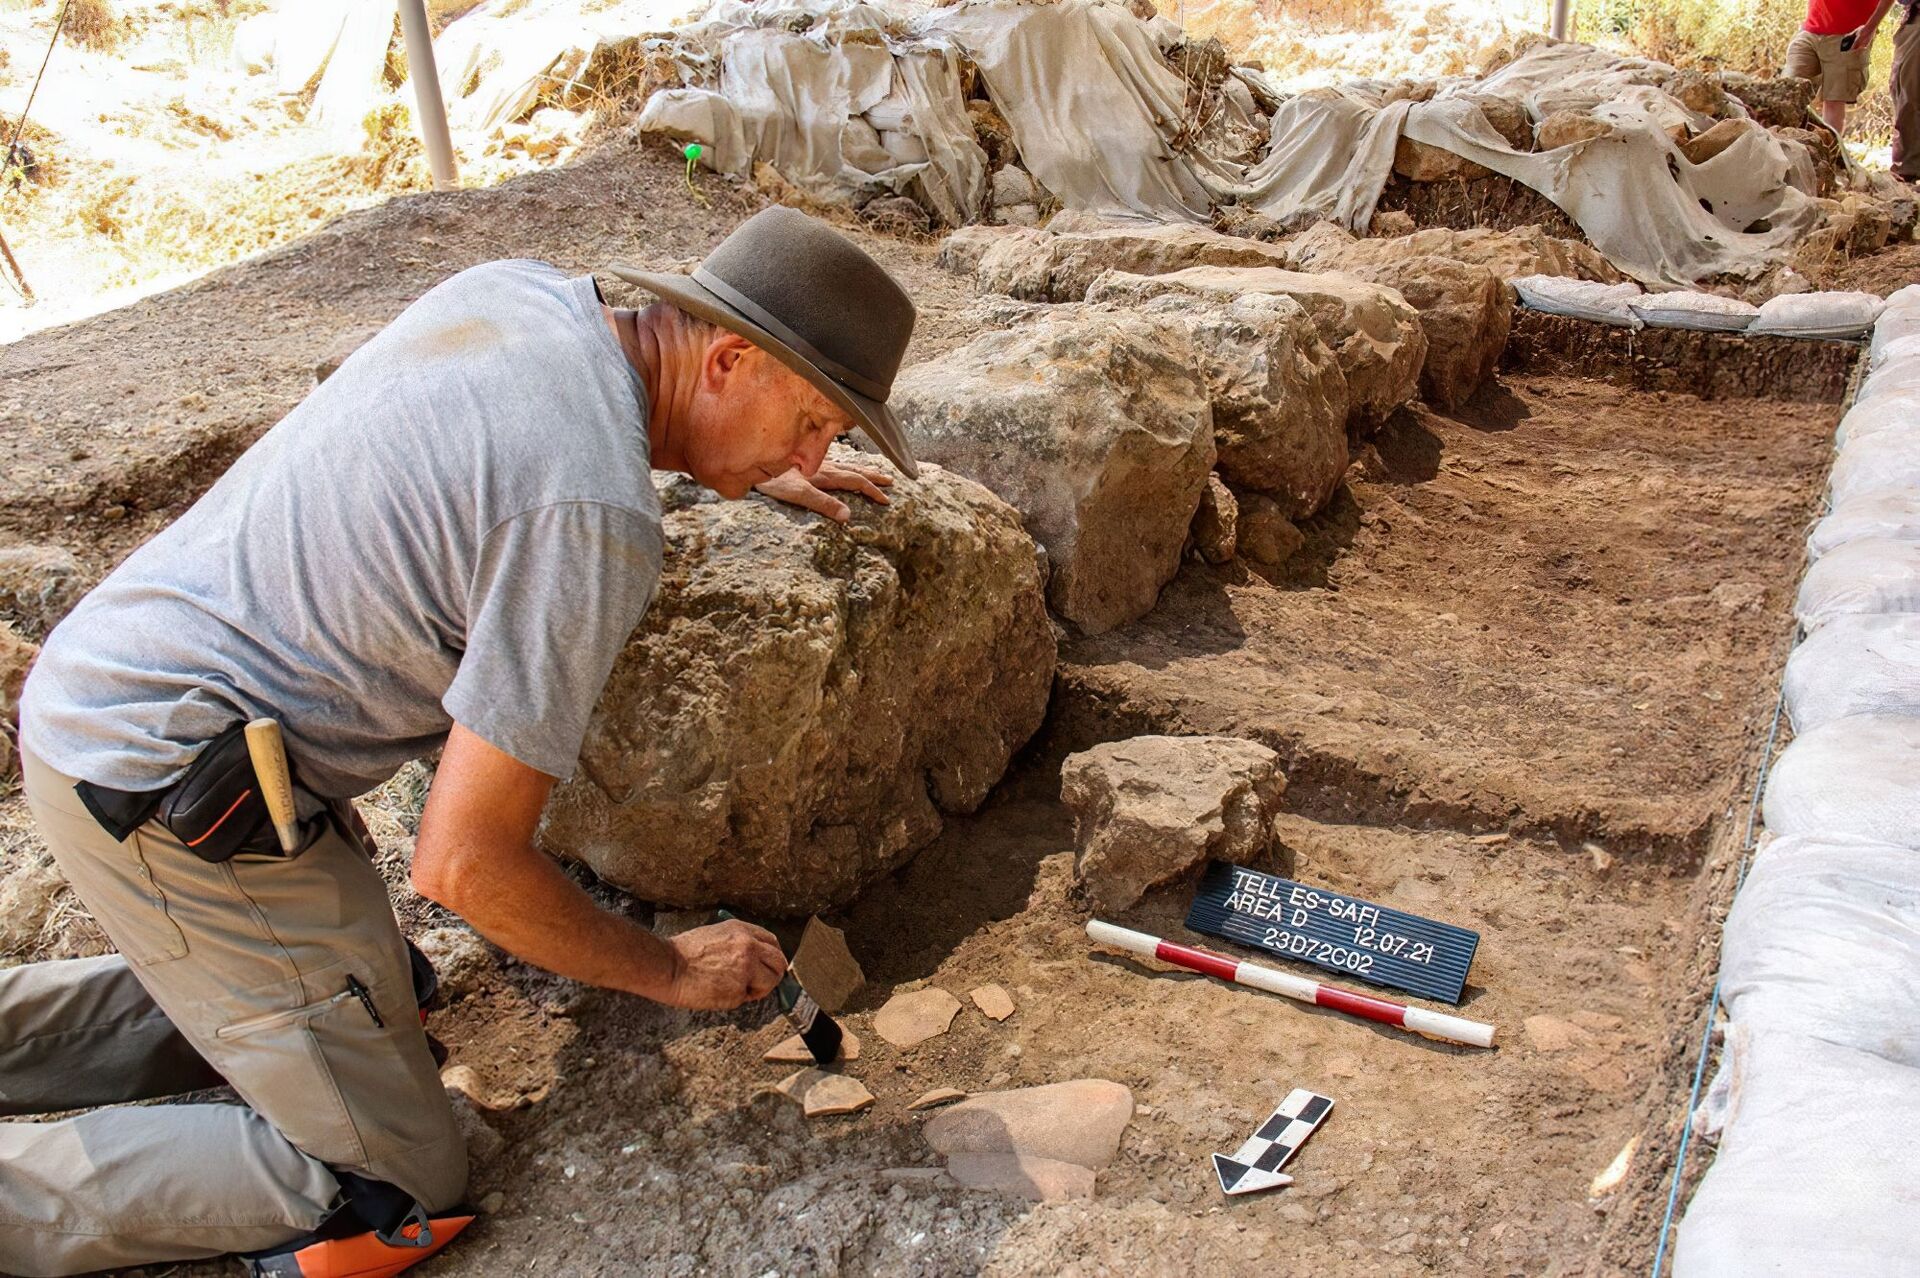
<point x="1101" y="120"/>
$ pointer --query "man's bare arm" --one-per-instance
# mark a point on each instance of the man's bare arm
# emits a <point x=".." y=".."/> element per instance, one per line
<point x="475" y="856"/>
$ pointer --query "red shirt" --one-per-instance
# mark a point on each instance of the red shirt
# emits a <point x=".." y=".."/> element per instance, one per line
<point x="1837" y="17"/>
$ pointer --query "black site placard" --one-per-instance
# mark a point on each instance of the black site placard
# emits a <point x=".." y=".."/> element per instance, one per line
<point x="1341" y="933"/>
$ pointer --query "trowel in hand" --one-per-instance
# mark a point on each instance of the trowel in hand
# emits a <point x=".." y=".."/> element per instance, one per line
<point x="820" y="1032"/>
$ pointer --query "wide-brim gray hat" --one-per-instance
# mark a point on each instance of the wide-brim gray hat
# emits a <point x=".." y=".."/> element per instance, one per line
<point x="809" y="297"/>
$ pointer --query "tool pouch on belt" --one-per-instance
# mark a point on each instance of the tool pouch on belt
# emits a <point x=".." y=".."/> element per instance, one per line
<point x="216" y="809"/>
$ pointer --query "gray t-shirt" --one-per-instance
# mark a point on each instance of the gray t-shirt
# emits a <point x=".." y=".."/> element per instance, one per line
<point x="459" y="524"/>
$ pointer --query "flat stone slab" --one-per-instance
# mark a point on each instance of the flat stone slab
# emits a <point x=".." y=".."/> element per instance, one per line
<point x="938" y="1096"/>
<point x="993" y="1001"/>
<point x="1041" y="1180"/>
<point x="819" y="1093"/>
<point x="909" y="1020"/>
<point x="826" y="967"/>
<point x="793" y="1051"/>
<point x="1077" y="1122"/>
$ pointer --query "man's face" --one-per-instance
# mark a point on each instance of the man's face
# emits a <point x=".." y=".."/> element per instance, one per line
<point x="753" y="418"/>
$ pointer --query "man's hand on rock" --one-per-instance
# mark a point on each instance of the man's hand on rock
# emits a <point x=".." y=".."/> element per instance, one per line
<point x="724" y="965"/>
<point x="813" y="494"/>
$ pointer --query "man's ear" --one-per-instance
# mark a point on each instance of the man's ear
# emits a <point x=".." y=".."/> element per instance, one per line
<point x="722" y="360"/>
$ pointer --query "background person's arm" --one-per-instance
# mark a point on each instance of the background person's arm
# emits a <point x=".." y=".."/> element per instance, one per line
<point x="475" y="856"/>
<point x="1863" y="35"/>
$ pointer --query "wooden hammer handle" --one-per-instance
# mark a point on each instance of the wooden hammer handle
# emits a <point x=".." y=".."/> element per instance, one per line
<point x="269" y="754"/>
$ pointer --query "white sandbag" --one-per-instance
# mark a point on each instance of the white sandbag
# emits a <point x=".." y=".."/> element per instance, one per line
<point x="1811" y="909"/>
<point x="1578" y="299"/>
<point x="1893" y="377"/>
<point x="1853" y="778"/>
<point x="1707" y="311"/>
<point x="1834" y="314"/>
<point x="1884" y="461"/>
<point x="1889" y="516"/>
<point x="1854" y="665"/>
<point x="1906" y="298"/>
<point x="1816" y="1168"/>
<point x="1869" y="416"/>
<point x="1874" y="575"/>
<point x="1899" y="345"/>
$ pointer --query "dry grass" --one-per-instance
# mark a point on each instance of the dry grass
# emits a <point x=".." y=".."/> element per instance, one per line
<point x="93" y="24"/>
<point x="1735" y="35"/>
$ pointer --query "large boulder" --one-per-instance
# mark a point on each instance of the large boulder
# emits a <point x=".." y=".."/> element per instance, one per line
<point x="804" y="700"/>
<point x="1523" y="250"/>
<point x="1424" y="162"/>
<point x="1056" y="265"/>
<point x="1465" y="306"/>
<point x="1778" y="102"/>
<point x="1374" y="334"/>
<point x="1278" y="396"/>
<point x="1569" y="128"/>
<point x="1095" y="425"/>
<point x="1146" y="811"/>
<point x="1465" y="312"/>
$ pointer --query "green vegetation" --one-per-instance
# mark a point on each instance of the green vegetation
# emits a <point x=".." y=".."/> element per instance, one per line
<point x="1733" y="35"/>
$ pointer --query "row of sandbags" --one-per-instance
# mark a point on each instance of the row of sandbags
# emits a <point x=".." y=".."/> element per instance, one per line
<point x="1817" y="1097"/>
<point x="1822" y="314"/>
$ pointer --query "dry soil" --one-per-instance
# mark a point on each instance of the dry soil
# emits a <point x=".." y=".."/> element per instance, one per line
<point x="1516" y="677"/>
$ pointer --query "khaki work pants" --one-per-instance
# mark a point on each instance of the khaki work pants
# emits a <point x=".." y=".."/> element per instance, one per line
<point x="237" y="972"/>
<point x="1904" y="85"/>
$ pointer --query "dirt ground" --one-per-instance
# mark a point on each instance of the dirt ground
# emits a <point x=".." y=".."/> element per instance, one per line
<point x="1545" y="620"/>
<point x="1549" y="620"/>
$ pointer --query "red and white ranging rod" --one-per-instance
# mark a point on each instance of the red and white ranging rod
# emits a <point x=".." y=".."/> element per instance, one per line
<point x="1451" y="1029"/>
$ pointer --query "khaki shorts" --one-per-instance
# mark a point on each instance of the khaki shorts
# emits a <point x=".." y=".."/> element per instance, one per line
<point x="1842" y="77"/>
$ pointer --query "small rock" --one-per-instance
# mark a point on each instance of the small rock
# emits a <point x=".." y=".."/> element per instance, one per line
<point x="820" y="1094"/>
<point x="908" y="1020"/>
<point x="1077" y="1122"/>
<point x="1041" y="1180"/>
<point x="1491" y="840"/>
<point x="461" y="959"/>
<point x="993" y="1001"/>
<point x="30" y="889"/>
<point x="826" y="967"/>
<point x="897" y="215"/>
<point x="938" y="1096"/>
<point x="1215" y="531"/>
<point x="1150" y="809"/>
<point x="1601" y="858"/>
<point x="1265" y="536"/>
<point x="793" y="1051"/>
<point x="493" y="1202"/>
<point x="463" y="1079"/>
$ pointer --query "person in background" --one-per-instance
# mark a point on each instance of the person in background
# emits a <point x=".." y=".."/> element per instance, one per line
<point x="1831" y="48"/>
<point x="1904" y="84"/>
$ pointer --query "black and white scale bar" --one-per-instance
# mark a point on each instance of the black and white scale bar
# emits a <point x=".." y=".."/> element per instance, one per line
<point x="1330" y="930"/>
<point x="1256" y="1165"/>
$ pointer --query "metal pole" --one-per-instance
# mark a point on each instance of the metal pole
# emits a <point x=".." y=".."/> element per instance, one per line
<point x="432" y="110"/>
<point x="1562" y="11"/>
